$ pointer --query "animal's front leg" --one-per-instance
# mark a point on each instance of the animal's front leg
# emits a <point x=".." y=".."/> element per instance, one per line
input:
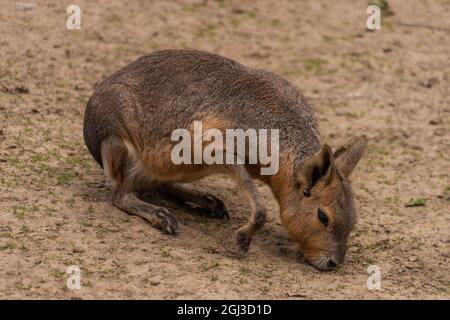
<point x="258" y="212"/>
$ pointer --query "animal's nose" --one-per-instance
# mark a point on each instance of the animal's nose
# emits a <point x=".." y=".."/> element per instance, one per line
<point x="331" y="264"/>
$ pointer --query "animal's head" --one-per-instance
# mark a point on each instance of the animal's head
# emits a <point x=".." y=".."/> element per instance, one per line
<point x="321" y="214"/>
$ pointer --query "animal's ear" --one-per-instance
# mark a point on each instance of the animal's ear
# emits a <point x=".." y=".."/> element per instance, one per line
<point x="318" y="167"/>
<point x="348" y="155"/>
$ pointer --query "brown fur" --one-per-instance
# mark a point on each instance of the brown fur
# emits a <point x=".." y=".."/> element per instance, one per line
<point x="131" y="115"/>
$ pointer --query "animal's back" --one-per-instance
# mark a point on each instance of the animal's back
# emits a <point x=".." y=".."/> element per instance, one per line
<point x="160" y="92"/>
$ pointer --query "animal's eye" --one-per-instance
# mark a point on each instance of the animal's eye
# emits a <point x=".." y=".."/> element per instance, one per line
<point x="322" y="217"/>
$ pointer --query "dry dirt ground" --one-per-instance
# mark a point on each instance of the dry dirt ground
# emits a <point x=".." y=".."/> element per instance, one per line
<point x="392" y="85"/>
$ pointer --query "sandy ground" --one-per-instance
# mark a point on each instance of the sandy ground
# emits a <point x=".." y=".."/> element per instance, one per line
<point x="392" y="85"/>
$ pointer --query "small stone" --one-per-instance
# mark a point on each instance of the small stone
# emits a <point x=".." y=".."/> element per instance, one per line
<point x="155" y="282"/>
<point x="5" y="229"/>
<point x="428" y="83"/>
<point x="434" y="122"/>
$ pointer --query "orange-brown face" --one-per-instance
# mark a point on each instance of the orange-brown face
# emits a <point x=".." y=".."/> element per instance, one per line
<point x="321" y="214"/>
<point x="322" y="223"/>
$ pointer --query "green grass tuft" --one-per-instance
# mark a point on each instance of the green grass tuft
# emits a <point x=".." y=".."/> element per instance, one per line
<point x="418" y="202"/>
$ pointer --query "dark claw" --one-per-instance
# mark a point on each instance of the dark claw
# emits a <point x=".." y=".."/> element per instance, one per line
<point x="242" y="242"/>
<point x="167" y="221"/>
<point x="217" y="207"/>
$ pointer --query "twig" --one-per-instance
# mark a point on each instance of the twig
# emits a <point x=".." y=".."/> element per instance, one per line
<point x="296" y="295"/>
<point x="13" y="22"/>
<point x="425" y="26"/>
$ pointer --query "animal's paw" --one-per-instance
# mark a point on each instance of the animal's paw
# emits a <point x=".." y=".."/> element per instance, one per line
<point x="242" y="242"/>
<point x="167" y="222"/>
<point x="217" y="207"/>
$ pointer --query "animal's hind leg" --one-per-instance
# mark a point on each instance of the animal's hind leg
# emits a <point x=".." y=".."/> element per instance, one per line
<point x="158" y="217"/>
<point x="118" y="166"/>
<point x="214" y="205"/>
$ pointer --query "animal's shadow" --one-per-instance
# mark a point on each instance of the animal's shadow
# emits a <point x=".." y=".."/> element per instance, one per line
<point x="271" y="240"/>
